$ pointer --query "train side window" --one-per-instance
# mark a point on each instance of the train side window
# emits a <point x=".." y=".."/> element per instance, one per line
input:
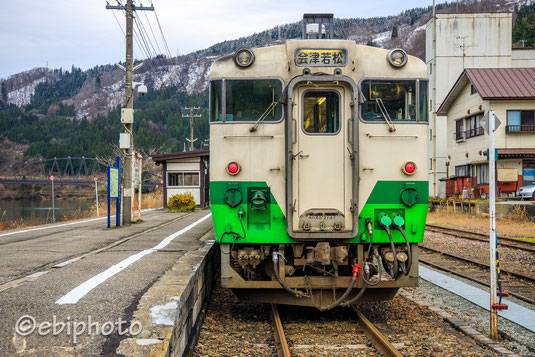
<point x="424" y="112"/>
<point x="395" y="99"/>
<point x="215" y="100"/>
<point x="321" y="112"/>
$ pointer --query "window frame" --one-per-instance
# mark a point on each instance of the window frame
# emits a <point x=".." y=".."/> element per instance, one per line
<point x="224" y="100"/>
<point x="340" y="123"/>
<point x="198" y="172"/>
<point x="417" y="94"/>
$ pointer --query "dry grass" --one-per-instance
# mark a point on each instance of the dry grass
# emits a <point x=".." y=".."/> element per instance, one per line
<point x="149" y="200"/>
<point x="509" y="227"/>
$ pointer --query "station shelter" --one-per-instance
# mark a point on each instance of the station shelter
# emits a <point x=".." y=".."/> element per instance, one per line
<point x="186" y="171"/>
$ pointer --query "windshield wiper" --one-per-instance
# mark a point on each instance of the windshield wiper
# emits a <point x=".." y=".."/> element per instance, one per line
<point x="263" y="116"/>
<point x="266" y="112"/>
<point x="382" y="108"/>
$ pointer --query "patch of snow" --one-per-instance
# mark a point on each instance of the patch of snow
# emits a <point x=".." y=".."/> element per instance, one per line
<point x="147" y="341"/>
<point x="23" y="95"/>
<point x="382" y="37"/>
<point x="165" y="314"/>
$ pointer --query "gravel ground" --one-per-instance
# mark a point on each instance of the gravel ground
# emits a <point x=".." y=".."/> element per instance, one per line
<point x="510" y="258"/>
<point x="234" y="328"/>
<point x="514" y="337"/>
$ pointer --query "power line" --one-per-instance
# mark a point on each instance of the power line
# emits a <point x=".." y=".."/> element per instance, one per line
<point x="161" y="31"/>
<point x="155" y="40"/>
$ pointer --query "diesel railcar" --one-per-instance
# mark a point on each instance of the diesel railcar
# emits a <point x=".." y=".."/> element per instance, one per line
<point x="318" y="171"/>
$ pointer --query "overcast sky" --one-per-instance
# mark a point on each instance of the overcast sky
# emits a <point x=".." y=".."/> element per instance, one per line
<point x="82" y="32"/>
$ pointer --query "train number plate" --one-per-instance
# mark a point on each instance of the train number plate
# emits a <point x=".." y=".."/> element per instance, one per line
<point x="320" y="57"/>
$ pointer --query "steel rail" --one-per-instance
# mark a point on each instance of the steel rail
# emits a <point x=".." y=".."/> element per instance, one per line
<point x="468" y="260"/>
<point x="381" y="343"/>
<point x="283" y="349"/>
<point x="529" y="246"/>
<point x="471" y="278"/>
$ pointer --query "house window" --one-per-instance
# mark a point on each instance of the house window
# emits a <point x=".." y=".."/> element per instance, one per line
<point x="474" y="128"/>
<point x="482" y="174"/>
<point x="459" y="124"/>
<point x="462" y="171"/>
<point x="520" y="121"/>
<point x="183" y="179"/>
<point x="473" y="89"/>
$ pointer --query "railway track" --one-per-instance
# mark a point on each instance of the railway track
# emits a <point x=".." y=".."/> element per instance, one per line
<point x="375" y="338"/>
<point x="469" y="235"/>
<point x="516" y="284"/>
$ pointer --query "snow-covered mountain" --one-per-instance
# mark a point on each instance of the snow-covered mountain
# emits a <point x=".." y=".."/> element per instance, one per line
<point x="103" y="90"/>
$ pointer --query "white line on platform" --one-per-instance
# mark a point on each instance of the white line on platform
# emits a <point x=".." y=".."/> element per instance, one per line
<point x="67" y="224"/>
<point x="65" y="263"/>
<point x="36" y="275"/>
<point x="73" y="296"/>
<point x="516" y="313"/>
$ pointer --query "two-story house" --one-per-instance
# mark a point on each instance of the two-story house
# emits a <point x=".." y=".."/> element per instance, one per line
<point x="510" y="93"/>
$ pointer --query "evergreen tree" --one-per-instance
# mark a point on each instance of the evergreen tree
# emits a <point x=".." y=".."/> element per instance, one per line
<point x="394" y="32"/>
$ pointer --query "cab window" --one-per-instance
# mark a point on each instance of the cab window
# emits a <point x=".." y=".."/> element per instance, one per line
<point x="393" y="99"/>
<point x="321" y="112"/>
<point x="246" y="100"/>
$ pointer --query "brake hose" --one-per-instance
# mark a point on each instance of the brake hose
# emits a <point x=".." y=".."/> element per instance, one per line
<point x="356" y="268"/>
<point x="379" y="267"/>
<point x="409" y="254"/>
<point x="275" y="258"/>
<point x="396" y="263"/>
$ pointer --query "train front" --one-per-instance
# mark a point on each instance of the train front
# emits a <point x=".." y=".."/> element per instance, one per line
<point x="318" y="171"/>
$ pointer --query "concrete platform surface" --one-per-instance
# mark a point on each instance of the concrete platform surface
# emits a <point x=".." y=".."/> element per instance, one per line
<point x="71" y="290"/>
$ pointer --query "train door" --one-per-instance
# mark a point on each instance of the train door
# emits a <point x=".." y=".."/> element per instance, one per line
<point x="322" y="167"/>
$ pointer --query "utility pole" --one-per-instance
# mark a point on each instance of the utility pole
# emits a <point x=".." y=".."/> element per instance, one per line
<point x="191" y="115"/>
<point x="492" y="236"/>
<point x="434" y="70"/>
<point x="127" y="113"/>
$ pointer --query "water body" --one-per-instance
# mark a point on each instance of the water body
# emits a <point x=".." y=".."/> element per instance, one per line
<point x="39" y="210"/>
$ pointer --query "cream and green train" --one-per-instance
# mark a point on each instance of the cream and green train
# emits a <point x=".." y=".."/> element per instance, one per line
<point x="318" y="171"/>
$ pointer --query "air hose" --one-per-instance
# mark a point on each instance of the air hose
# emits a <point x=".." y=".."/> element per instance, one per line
<point x="385" y="222"/>
<point x="275" y="258"/>
<point x="379" y="265"/>
<point x="356" y="268"/>
<point x="398" y="222"/>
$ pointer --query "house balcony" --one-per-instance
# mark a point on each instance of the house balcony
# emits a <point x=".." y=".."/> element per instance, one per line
<point x="514" y="129"/>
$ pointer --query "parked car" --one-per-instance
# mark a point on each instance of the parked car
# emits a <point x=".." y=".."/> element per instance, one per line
<point x="527" y="191"/>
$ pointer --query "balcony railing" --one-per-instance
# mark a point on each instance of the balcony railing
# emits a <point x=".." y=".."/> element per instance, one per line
<point x="459" y="135"/>
<point x="474" y="132"/>
<point x="520" y="129"/>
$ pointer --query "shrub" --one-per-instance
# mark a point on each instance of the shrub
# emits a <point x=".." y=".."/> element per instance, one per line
<point x="182" y="202"/>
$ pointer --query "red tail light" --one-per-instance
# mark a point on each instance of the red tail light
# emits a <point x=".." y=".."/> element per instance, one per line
<point x="233" y="168"/>
<point x="409" y="168"/>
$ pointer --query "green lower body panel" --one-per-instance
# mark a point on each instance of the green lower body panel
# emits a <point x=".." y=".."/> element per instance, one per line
<point x="262" y="219"/>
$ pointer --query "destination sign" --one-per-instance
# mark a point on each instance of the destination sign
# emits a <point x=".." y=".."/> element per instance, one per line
<point x="320" y="57"/>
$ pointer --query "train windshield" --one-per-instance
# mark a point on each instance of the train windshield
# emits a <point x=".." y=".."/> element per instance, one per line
<point x="246" y="100"/>
<point x="395" y="100"/>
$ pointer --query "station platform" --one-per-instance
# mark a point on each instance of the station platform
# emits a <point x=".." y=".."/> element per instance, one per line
<point x="130" y="290"/>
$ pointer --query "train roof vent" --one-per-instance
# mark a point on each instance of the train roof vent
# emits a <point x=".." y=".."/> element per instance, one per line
<point x="318" y="26"/>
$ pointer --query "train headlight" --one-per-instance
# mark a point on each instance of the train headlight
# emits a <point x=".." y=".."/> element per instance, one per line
<point x="408" y="168"/>
<point x="233" y="168"/>
<point x="397" y="57"/>
<point x="244" y="57"/>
